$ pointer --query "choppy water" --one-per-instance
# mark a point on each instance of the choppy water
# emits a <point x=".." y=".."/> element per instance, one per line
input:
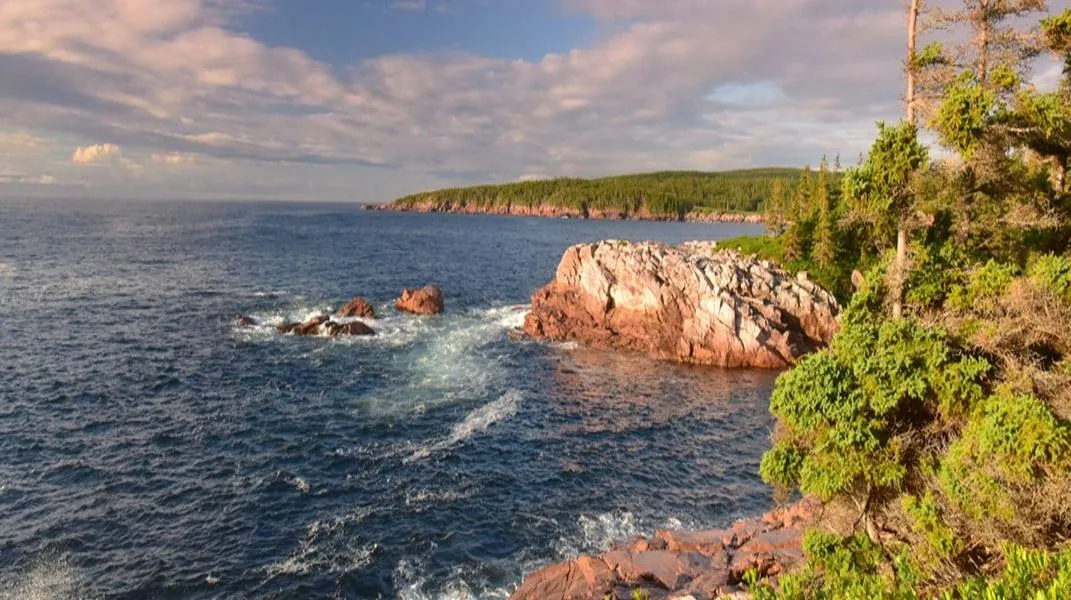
<point x="149" y="449"/>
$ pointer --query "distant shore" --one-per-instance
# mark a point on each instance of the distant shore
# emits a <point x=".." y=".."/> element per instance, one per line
<point x="558" y="212"/>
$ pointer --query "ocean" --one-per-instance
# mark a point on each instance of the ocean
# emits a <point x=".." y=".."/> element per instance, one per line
<point x="149" y="448"/>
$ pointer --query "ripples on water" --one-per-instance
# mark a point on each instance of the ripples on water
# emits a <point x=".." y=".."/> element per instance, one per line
<point x="151" y="449"/>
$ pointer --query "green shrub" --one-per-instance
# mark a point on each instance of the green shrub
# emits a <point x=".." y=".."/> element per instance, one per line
<point x="936" y="268"/>
<point x="1052" y="273"/>
<point x="985" y="284"/>
<point x="1012" y="440"/>
<point x="847" y="568"/>
<point x="1028" y="575"/>
<point x="927" y="519"/>
<point x="838" y="568"/>
<point x="844" y="412"/>
<point x="764" y="246"/>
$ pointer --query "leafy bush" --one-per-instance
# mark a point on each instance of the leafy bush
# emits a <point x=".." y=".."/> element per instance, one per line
<point x="1052" y="273"/>
<point x="764" y="246"/>
<point x="984" y="285"/>
<point x="1010" y="441"/>
<point x="839" y="567"/>
<point x="936" y="269"/>
<point x="1028" y="575"/>
<point x="926" y="517"/>
<point x="847" y="568"/>
<point x="843" y="413"/>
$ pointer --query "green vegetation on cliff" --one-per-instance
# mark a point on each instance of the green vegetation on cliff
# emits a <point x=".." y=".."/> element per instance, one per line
<point x="669" y="194"/>
<point x="937" y="427"/>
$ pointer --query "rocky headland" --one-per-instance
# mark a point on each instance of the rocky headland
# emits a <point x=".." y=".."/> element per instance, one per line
<point x="551" y="211"/>
<point x="681" y="564"/>
<point x="693" y="303"/>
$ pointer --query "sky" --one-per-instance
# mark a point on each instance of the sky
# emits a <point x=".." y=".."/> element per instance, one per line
<point x="366" y="100"/>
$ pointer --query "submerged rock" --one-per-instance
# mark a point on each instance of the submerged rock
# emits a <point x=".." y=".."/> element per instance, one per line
<point x="333" y="328"/>
<point x="358" y="307"/>
<point x="427" y="300"/>
<point x="322" y="325"/>
<point x="678" y="564"/>
<point x="692" y="303"/>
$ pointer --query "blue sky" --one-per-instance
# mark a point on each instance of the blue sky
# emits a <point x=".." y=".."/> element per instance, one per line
<point x="365" y="100"/>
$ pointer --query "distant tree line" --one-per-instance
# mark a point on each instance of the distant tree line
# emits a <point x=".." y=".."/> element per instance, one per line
<point x="667" y="194"/>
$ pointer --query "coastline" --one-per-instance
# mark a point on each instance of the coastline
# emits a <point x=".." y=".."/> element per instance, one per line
<point x="560" y="212"/>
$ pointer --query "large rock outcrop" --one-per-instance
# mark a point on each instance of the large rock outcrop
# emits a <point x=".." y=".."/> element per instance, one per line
<point x="427" y="300"/>
<point x="681" y="564"/>
<point x="692" y="303"/>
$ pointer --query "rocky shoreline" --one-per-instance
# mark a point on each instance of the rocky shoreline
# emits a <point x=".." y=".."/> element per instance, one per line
<point x="682" y="564"/>
<point x="694" y="303"/>
<point x="559" y="212"/>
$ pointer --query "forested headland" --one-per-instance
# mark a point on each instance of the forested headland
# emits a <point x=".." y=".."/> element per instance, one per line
<point x="667" y="195"/>
<point x="937" y="427"/>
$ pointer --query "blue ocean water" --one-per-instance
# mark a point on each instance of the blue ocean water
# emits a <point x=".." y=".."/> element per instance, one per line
<point x="151" y="449"/>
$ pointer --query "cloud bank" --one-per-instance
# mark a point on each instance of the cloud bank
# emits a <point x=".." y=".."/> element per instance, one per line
<point x="697" y="84"/>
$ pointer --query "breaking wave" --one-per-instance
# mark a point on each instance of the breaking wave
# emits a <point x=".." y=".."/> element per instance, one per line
<point x="476" y="421"/>
<point x="329" y="546"/>
<point x="51" y="578"/>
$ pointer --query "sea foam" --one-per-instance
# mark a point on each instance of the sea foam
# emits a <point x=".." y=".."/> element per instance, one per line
<point x="476" y="421"/>
<point x="50" y="578"/>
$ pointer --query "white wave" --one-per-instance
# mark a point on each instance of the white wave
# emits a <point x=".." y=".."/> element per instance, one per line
<point x="476" y="421"/>
<point x="52" y="578"/>
<point x="414" y="586"/>
<point x="299" y="484"/>
<point x="328" y="547"/>
<point x="595" y="533"/>
<point x="8" y="269"/>
<point x="422" y="498"/>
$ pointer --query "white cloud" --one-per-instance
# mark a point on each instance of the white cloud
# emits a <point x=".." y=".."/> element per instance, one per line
<point x="414" y="5"/>
<point x="172" y="159"/>
<point x="94" y="153"/>
<point x="678" y="83"/>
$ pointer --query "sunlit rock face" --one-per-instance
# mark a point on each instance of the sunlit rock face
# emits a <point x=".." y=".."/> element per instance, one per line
<point x="692" y="303"/>
<point x="427" y="300"/>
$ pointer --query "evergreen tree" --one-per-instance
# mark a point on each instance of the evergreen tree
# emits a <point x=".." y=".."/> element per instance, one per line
<point x="795" y="246"/>
<point x="775" y="210"/>
<point x="824" y="253"/>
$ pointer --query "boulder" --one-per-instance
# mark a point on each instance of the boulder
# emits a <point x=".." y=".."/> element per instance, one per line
<point x="322" y="325"/>
<point x="693" y="303"/>
<point x="427" y="300"/>
<point x="678" y="564"/>
<point x="334" y="328"/>
<point x="312" y="326"/>
<point x="358" y="307"/>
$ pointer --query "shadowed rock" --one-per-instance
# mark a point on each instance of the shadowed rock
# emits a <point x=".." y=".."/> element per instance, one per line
<point x="692" y="303"/>
<point x="322" y="325"/>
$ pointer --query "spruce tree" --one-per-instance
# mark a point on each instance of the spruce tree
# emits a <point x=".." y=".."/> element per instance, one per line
<point x="824" y="245"/>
